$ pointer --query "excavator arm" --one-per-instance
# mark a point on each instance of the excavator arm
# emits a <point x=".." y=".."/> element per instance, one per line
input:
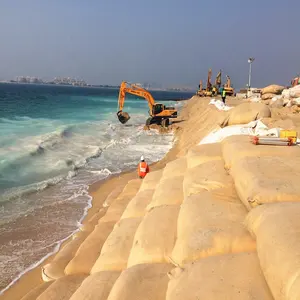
<point x="137" y="91"/>
<point x="158" y="112"/>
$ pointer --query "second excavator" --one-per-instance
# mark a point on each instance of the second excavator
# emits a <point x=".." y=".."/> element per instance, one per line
<point x="159" y="113"/>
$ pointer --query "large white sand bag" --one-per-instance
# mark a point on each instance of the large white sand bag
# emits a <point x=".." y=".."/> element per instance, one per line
<point x="276" y="228"/>
<point x="175" y="168"/>
<point x="245" y="113"/>
<point x="63" y="288"/>
<point x="209" y="226"/>
<point x="236" y="147"/>
<point x="116" y="249"/>
<point x="89" y="250"/>
<point x="168" y="192"/>
<point x="96" y="286"/>
<point x="155" y="237"/>
<point x="267" y="179"/>
<point x="136" y="208"/>
<point x="206" y="177"/>
<point x="201" y="154"/>
<point x="142" y="282"/>
<point x="234" y="277"/>
<point x="151" y="180"/>
<point x="55" y="269"/>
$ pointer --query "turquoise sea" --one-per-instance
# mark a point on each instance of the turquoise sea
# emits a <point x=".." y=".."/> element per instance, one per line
<point x="54" y="142"/>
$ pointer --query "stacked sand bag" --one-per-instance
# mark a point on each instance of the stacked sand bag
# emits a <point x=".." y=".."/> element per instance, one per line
<point x="89" y="251"/>
<point x="55" y="269"/>
<point x="168" y="192"/>
<point x="211" y="224"/>
<point x="115" y="251"/>
<point x="234" y="277"/>
<point x="117" y="207"/>
<point x="267" y="179"/>
<point x="155" y="237"/>
<point x="291" y="96"/>
<point x="239" y="146"/>
<point x="245" y="113"/>
<point x="276" y="228"/>
<point x="151" y="180"/>
<point x="175" y="168"/>
<point x="206" y="177"/>
<point x="137" y="206"/>
<point x="270" y="92"/>
<point x="63" y="288"/>
<point x="96" y="286"/>
<point x="200" y="154"/>
<point x="145" y="281"/>
<point x="37" y="291"/>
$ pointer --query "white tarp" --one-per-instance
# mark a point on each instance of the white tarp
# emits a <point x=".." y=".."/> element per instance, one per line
<point x="220" y="105"/>
<point x="255" y="128"/>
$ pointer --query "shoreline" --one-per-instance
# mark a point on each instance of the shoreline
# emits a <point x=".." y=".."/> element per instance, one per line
<point x="99" y="191"/>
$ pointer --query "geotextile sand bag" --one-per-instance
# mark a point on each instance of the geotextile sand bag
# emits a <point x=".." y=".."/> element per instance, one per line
<point x="200" y="154"/>
<point x="151" y="180"/>
<point x="37" y="291"/>
<point x="209" y="226"/>
<point x="63" y="288"/>
<point x="96" y="286"/>
<point x="55" y="269"/>
<point x="155" y="237"/>
<point x="272" y="89"/>
<point x="239" y="146"/>
<point x="175" y="168"/>
<point x="115" y="251"/>
<point x="268" y="96"/>
<point x="276" y="228"/>
<point x="245" y="113"/>
<point x="136" y="208"/>
<point x="89" y="250"/>
<point x="117" y="207"/>
<point x="206" y="177"/>
<point x="114" y="195"/>
<point x="142" y="282"/>
<point x="168" y="192"/>
<point x="232" y="277"/>
<point x="260" y="180"/>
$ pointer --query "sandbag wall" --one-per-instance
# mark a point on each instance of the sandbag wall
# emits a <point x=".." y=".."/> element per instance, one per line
<point x="266" y="179"/>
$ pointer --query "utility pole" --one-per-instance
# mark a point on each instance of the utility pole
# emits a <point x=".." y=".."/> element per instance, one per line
<point x="250" y="61"/>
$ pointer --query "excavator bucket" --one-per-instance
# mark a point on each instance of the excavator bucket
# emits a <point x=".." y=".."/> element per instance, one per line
<point x="123" y="117"/>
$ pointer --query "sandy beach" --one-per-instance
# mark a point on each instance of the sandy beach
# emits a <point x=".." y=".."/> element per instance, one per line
<point x="171" y="250"/>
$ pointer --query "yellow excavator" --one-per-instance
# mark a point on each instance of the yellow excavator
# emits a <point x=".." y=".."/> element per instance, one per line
<point x="159" y="113"/>
<point x="211" y="90"/>
<point x="228" y="88"/>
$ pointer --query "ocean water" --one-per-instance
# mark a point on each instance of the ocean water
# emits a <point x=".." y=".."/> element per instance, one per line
<point x="54" y="142"/>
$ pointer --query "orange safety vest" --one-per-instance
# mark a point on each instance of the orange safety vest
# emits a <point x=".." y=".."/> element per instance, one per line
<point x="143" y="169"/>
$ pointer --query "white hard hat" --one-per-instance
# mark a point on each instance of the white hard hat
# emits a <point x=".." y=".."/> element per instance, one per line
<point x="142" y="158"/>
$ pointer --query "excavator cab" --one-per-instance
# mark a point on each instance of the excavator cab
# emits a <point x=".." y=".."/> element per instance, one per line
<point x="157" y="108"/>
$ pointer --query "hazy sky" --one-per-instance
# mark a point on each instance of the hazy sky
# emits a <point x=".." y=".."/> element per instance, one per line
<point x="167" y="41"/>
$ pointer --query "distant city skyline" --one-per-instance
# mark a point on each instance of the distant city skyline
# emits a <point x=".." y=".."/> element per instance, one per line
<point x="173" y="43"/>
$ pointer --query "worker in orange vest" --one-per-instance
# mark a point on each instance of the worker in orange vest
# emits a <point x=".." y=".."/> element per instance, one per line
<point x="143" y="168"/>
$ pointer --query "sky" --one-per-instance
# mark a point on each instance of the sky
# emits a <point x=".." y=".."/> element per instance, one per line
<point x="171" y="42"/>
